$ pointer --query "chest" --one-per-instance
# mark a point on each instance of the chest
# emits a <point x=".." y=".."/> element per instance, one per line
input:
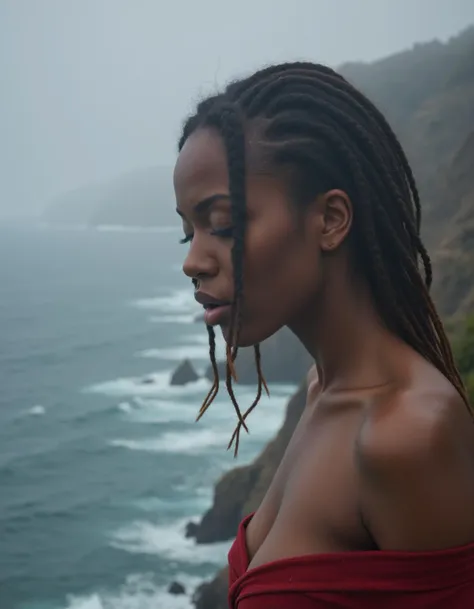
<point x="311" y="505"/>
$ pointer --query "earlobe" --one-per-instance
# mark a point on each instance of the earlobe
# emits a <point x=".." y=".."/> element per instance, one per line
<point x="337" y="216"/>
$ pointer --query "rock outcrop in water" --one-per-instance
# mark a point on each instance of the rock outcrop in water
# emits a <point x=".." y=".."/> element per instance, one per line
<point x="283" y="360"/>
<point x="184" y="374"/>
<point x="176" y="588"/>
<point x="213" y="594"/>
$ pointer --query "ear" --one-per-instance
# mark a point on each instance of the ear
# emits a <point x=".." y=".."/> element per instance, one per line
<point x="336" y="208"/>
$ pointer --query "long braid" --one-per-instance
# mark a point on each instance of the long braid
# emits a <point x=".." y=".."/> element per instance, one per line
<point x="230" y="124"/>
<point x="438" y="336"/>
<point x="419" y="318"/>
<point x="261" y="384"/>
<point x="340" y="88"/>
<point x="360" y="188"/>
<point x="226" y="118"/>
<point x="324" y="103"/>
<point x="310" y="118"/>
<point x="215" y="385"/>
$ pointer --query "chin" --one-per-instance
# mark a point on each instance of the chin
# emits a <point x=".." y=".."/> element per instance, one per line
<point x="250" y="335"/>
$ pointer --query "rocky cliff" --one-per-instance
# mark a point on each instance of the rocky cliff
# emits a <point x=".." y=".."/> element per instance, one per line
<point x="238" y="493"/>
<point x="428" y="95"/>
<point x="283" y="359"/>
<point x="141" y="198"/>
<point x="454" y="257"/>
<point x="241" y="490"/>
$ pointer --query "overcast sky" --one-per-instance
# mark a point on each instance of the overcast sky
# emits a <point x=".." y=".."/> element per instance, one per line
<point x="93" y="88"/>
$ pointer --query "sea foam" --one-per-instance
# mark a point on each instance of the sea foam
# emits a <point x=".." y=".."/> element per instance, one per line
<point x="168" y="541"/>
<point x="138" y="592"/>
<point x="195" y="442"/>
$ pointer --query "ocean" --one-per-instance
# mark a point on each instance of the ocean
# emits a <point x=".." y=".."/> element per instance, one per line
<point x="101" y="462"/>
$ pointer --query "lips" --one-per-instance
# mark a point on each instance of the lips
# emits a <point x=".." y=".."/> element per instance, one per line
<point x="216" y="311"/>
<point x="219" y="315"/>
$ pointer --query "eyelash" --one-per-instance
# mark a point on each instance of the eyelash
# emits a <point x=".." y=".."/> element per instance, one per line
<point x="223" y="233"/>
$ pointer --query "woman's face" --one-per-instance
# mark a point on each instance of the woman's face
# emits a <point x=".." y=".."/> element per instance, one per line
<point x="281" y="266"/>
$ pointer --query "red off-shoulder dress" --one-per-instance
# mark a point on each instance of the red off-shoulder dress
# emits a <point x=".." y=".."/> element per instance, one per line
<point x="441" y="579"/>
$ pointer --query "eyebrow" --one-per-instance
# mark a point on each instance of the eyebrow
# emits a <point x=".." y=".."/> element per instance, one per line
<point x="205" y="204"/>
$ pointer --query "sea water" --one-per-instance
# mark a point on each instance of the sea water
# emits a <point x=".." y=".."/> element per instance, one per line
<point x="101" y="462"/>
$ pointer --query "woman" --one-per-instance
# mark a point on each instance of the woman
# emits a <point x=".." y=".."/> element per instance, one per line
<point x="301" y="210"/>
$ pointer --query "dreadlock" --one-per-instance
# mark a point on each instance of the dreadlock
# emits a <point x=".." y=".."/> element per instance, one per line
<point x="310" y="119"/>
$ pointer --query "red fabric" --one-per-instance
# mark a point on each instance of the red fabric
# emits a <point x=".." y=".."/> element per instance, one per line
<point x="443" y="579"/>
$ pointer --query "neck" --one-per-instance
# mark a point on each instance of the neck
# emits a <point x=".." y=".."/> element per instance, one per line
<point x="345" y="336"/>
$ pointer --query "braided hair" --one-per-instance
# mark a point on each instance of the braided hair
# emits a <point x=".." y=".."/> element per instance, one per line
<point x="309" y="118"/>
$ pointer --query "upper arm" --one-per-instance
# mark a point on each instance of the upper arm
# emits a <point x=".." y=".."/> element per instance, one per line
<point x="312" y="383"/>
<point x="417" y="478"/>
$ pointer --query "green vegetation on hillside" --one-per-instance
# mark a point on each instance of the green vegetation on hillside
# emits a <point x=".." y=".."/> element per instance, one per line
<point x="463" y="345"/>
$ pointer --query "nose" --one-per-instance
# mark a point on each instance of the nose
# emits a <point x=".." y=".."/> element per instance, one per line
<point x="199" y="263"/>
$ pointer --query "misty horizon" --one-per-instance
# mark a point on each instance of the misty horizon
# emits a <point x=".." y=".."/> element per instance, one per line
<point x="97" y="89"/>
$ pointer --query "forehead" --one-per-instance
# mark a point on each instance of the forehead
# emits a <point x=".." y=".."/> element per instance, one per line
<point x="201" y="168"/>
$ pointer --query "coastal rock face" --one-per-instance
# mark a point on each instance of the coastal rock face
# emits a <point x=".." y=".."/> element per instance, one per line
<point x="453" y="260"/>
<point x="284" y="360"/>
<point x="176" y="588"/>
<point x="241" y="490"/>
<point x="213" y="594"/>
<point x="427" y="94"/>
<point x="184" y="374"/>
<point x="238" y="493"/>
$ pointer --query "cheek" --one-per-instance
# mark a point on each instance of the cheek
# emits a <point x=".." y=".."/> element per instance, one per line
<point x="281" y="271"/>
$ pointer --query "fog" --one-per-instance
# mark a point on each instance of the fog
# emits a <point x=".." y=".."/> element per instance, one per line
<point x="94" y="88"/>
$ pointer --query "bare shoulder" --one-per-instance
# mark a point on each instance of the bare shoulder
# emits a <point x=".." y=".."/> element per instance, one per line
<point x="312" y="384"/>
<point x="416" y="463"/>
<point x="417" y="422"/>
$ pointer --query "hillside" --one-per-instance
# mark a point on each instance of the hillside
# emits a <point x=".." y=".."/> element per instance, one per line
<point x="427" y="94"/>
<point x="144" y="197"/>
<point x="454" y="257"/>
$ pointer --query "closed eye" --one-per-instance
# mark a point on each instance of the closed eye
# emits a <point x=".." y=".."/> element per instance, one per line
<point x="225" y="233"/>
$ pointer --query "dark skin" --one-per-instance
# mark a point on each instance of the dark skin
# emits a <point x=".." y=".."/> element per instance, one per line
<point x="383" y="456"/>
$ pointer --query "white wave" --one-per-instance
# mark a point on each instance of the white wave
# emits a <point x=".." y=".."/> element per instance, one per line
<point x="198" y="500"/>
<point x="85" y="602"/>
<point x="199" y="339"/>
<point x="159" y="406"/>
<point x="171" y="442"/>
<point x="125" y="407"/>
<point x="177" y="353"/>
<point x="177" y="302"/>
<point x="156" y="384"/>
<point x="154" y="410"/>
<point x="169" y="541"/>
<point x="138" y="592"/>
<point x="202" y="338"/>
<point x="173" y="319"/>
<point x="37" y="410"/>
